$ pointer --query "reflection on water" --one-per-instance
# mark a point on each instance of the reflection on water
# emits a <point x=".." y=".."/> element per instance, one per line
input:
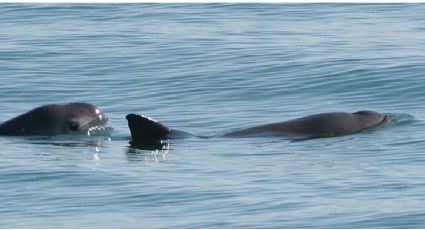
<point x="150" y="144"/>
<point x="71" y="140"/>
<point x="148" y="150"/>
<point x="66" y="143"/>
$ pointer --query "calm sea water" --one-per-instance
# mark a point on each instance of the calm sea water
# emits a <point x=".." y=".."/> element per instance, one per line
<point x="208" y="69"/>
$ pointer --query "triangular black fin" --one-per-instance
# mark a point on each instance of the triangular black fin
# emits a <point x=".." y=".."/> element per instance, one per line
<point x="145" y="128"/>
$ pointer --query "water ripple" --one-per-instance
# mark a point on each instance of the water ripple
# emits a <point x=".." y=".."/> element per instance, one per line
<point x="208" y="69"/>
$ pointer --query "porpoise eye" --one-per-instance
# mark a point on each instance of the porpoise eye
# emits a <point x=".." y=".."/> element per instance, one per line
<point x="73" y="126"/>
<point x="363" y="112"/>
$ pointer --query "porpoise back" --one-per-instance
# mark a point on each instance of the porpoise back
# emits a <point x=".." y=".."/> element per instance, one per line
<point x="318" y="125"/>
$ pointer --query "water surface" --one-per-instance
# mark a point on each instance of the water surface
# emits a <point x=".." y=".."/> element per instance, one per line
<point x="208" y="69"/>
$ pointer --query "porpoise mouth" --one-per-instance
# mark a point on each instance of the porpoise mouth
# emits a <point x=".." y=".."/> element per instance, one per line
<point x="97" y="126"/>
<point x="386" y="120"/>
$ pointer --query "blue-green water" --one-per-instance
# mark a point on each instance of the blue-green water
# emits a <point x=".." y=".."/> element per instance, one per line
<point x="208" y="69"/>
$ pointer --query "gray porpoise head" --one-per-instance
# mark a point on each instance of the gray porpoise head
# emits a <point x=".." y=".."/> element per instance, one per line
<point x="54" y="119"/>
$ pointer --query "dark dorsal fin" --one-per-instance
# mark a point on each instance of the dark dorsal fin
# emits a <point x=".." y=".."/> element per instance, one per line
<point x="145" y="128"/>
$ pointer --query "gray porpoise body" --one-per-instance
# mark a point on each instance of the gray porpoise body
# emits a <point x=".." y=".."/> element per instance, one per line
<point x="54" y="119"/>
<point x="318" y="125"/>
